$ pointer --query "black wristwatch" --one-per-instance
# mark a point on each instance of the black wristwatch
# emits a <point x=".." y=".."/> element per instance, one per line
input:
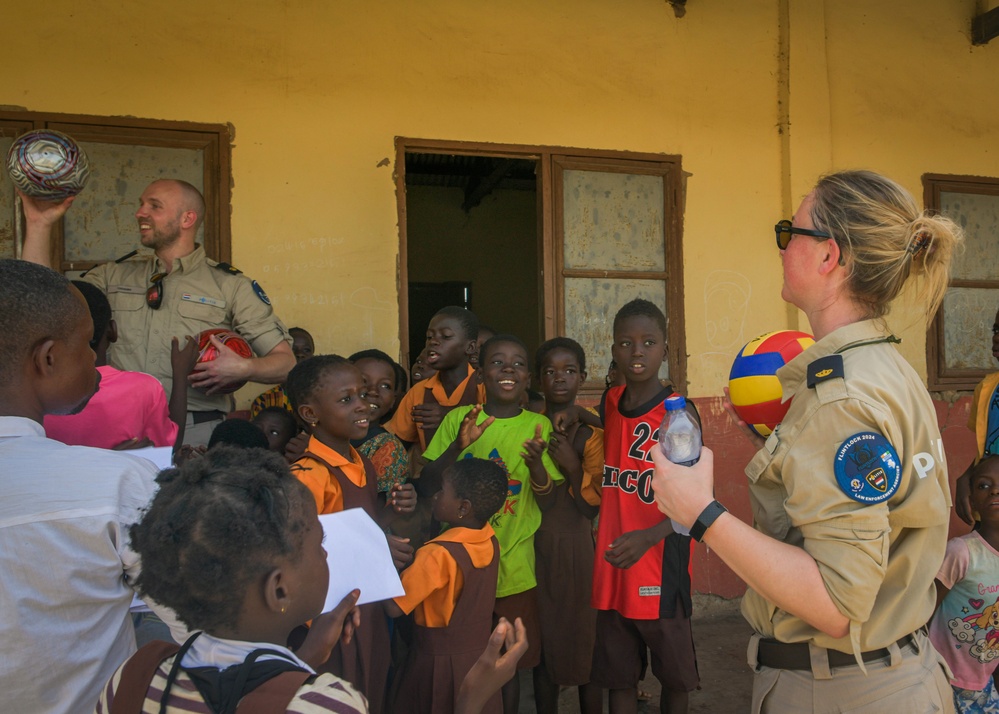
<point x="708" y="516"/>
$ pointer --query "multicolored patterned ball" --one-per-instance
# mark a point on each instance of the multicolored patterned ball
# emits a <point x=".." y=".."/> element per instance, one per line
<point x="208" y="351"/>
<point x="48" y="164"/>
<point x="753" y="386"/>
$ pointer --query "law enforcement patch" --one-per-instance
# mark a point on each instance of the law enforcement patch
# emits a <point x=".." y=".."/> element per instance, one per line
<point x="867" y="468"/>
<point x="260" y="293"/>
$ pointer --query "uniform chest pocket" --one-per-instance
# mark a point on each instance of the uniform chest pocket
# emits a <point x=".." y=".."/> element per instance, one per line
<point x="767" y="494"/>
<point x="126" y="298"/>
<point x="211" y="315"/>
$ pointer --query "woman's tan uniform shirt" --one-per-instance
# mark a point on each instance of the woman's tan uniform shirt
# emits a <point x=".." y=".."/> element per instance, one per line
<point x="877" y="561"/>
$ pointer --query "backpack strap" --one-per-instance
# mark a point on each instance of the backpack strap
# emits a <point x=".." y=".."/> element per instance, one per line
<point x="274" y="695"/>
<point x="137" y="675"/>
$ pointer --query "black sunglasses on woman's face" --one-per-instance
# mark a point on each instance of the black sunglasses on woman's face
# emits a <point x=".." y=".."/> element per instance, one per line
<point x="785" y="232"/>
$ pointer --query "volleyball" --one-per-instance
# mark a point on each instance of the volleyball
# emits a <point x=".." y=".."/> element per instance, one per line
<point x="208" y="352"/>
<point x="48" y="164"/>
<point x="753" y="386"/>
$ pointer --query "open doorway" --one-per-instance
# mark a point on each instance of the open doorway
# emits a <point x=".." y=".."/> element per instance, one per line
<point x="473" y="240"/>
<point x="540" y="241"/>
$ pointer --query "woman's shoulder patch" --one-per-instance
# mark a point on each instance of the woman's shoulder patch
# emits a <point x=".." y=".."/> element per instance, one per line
<point x="867" y="468"/>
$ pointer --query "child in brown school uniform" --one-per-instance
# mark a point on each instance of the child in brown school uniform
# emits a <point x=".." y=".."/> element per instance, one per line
<point x="564" y="542"/>
<point x="451" y="590"/>
<point x="329" y="394"/>
<point x="451" y="340"/>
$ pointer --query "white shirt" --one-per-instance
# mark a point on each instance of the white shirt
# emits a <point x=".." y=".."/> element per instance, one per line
<point x="65" y="567"/>
<point x="210" y="651"/>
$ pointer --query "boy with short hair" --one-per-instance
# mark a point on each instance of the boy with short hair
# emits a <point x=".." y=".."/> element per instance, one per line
<point x="641" y="576"/>
<point x="451" y="340"/>
<point x="516" y="439"/>
<point x="65" y="509"/>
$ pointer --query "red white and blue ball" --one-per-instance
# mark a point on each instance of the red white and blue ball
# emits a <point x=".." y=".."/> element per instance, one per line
<point x="753" y="386"/>
<point x="48" y="165"/>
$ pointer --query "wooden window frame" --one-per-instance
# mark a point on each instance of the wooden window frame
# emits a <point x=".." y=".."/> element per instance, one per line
<point x="938" y="376"/>
<point x="214" y="140"/>
<point x="549" y="230"/>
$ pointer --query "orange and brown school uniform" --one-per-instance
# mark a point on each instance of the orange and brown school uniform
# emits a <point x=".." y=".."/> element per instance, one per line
<point x="564" y="547"/>
<point x="337" y="484"/>
<point x="431" y="391"/>
<point x="451" y="591"/>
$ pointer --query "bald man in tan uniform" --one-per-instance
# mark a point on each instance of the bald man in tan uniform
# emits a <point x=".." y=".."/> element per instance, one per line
<point x="195" y="294"/>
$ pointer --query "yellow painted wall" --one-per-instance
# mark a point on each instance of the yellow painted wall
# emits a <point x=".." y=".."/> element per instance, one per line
<point x="318" y="89"/>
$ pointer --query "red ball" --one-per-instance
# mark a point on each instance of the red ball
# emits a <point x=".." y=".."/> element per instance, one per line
<point x="208" y="351"/>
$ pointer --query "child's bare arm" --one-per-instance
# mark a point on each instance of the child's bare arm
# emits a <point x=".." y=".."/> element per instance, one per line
<point x="402" y="551"/>
<point x="629" y="548"/>
<point x="329" y="628"/>
<point x="431" y="477"/>
<point x="569" y="464"/>
<point x="429" y="416"/>
<point x="541" y="481"/>
<point x="402" y="498"/>
<point x="492" y="670"/>
<point x="182" y="361"/>
<point x="569" y="416"/>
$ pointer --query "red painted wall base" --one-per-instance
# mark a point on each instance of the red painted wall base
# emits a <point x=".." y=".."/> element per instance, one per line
<point x="733" y="451"/>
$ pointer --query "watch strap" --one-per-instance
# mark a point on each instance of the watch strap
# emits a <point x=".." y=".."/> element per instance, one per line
<point x="708" y="516"/>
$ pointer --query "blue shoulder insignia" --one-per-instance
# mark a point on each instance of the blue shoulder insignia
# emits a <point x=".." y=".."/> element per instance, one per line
<point x="260" y="293"/>
<point x="867" y="468"/>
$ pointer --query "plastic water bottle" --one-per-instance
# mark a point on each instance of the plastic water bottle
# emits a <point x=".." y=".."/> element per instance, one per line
<point x="679" y="440"/>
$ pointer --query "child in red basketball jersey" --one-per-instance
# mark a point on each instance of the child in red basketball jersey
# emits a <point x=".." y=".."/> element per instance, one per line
<point x="641" y="574"/>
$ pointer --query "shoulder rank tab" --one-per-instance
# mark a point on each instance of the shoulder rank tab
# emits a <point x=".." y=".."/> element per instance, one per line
<point x="227" y="268"/>
<point x="122" y="259"/>
<point x="825" y="368"/>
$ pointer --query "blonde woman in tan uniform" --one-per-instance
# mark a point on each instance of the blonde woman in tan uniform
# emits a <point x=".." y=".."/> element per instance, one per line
<point x="850" y="495"/>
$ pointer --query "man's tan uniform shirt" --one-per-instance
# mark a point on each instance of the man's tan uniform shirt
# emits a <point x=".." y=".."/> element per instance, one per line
<point x="877" y="560"/>
<point x="196" y="296"/>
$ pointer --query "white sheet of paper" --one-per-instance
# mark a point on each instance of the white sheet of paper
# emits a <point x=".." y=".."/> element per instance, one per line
<point x="161" y="456"/>
<point x="359" y="557"/>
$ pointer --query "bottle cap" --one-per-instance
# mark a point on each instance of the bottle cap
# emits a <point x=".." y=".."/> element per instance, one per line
<point x="675" y="402"/>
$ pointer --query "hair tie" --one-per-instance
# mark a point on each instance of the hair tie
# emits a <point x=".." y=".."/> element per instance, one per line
<point x="919" y="243"/>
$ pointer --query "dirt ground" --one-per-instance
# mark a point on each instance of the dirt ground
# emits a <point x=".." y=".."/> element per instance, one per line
<point x="720" y="637"/>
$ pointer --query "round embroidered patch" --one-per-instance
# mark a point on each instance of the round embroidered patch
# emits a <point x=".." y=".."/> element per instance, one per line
<point x="867" y="468"/>
<point x="260" y="293"/>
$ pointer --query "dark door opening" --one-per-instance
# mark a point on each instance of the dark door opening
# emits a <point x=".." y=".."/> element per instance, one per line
<point x="473" y="240"/>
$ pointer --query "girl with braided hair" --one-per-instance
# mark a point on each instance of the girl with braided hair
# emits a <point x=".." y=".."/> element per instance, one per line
<point x="232" y="544"/>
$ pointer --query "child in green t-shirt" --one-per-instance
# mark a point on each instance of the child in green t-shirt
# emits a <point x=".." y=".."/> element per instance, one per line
<point x="503" y="432"/>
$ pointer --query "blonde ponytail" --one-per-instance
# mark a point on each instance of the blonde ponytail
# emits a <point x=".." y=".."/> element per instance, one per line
<point x="885" y="238"/>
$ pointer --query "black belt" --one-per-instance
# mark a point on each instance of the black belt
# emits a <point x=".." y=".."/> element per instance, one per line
<point x="795" y="655"/>
<point x="202" y="417"/>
